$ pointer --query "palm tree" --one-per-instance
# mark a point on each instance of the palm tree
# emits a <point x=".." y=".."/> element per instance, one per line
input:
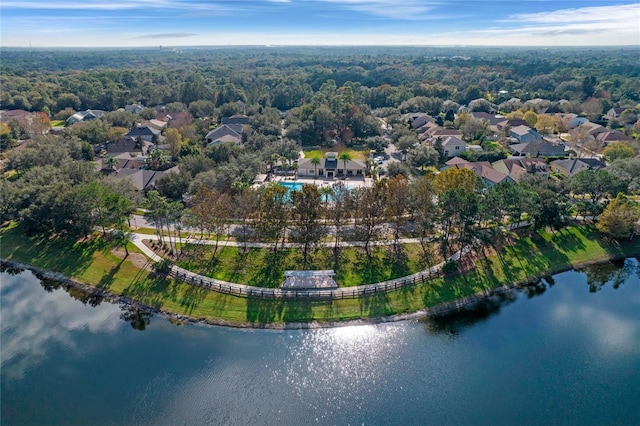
<point x="316" y="162"/>
<point x="345" y="157"/>
<point x="111" y="162"/>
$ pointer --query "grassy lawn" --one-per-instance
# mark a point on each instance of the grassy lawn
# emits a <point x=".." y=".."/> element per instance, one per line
<point x="91" y="261"/>
<point x="262" y="268"/>
<point x="58" y="123"/>
<point x="356" y="154"/>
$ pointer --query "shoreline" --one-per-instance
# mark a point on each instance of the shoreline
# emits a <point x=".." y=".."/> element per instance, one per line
<point x="441" y="309"/>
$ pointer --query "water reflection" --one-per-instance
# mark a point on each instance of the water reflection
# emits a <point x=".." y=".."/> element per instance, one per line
<point x="616" y="272"/>
<point x="38" y="322"/>
<point x="340" y="366"/>
<point x="454" y="323"/>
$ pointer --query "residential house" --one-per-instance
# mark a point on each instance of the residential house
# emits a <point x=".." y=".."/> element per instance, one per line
<point x="90" y="114"/>
<point x="453" y="146"/>
<point x="128" y="144"/>
<point x="575" y="121"/>
<point x="572" y="166"/>
<point x="133" y="108"/>
<point x="332" y="167"/>
<point x="614" y="113"/>
<point x="225" y="133"/>
<point x="613" y="136"/>
<point x="593" y="128"/>
<point x="418" y="119"/>
<point x="158" y="124"/>
<point x="236" y="119"/>
<point x="483" y="169"/>
<point x="525" y="134"/>
<point x="175" y="119"/>
<point x="143" y="180"/>
<point x="539" y="148"/>
<point x="517" y="167"/>
<point x="147" y="132"/>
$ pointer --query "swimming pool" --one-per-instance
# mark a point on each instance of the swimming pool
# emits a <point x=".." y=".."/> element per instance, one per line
<point x="297" y="186"/>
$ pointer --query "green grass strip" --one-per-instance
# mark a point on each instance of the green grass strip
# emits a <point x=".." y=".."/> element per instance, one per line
<point x="92" y="262"/>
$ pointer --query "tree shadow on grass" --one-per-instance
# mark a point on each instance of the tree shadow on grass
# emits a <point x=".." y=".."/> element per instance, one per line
<point x="260" y="311"/>
<point x="152" y="290"/>
<point x="399" y="261"/>
<point x="371" y="269"/>
<point x="239" y="264"/>
<point x="567" y="241"/>
<point x="375" y="305"/>
<point x="108" y="279"/>
<point x="271" y="273"/>
<point x="192" y="297"/>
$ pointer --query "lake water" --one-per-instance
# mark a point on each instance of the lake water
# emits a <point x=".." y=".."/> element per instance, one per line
<point x="567" y="352"/>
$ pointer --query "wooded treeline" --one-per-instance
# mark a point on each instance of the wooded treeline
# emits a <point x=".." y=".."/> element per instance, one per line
<point x="287" y="77"/>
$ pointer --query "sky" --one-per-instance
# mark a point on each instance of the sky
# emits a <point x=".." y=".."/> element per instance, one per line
<point x="139" y="23"/>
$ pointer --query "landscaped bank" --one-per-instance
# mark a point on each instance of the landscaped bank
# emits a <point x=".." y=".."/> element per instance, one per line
<point x="93" y="262"/>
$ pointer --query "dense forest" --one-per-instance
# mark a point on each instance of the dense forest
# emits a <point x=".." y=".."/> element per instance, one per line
<point x="288" y="77"/>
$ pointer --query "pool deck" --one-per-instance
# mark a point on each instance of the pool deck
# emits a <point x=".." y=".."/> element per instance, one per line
<point x="351" y="182"/>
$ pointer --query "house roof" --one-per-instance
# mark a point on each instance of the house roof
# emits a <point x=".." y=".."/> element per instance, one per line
<point x="127" y="144"/>
<point x="452" y="140"/>
<point x="224" y="130"/>
<point x="158" y="124"/>
<point x="235" y="119"/>
<point x="576" y="165"/>
<point x="540" y="148"/>
<point x="144" y="131"/>
<point x="594" y="128"/>
<point x="522" y="130"/>
<point x="141" y="179"/>
<point x="484" y="170"/>
<point x="456" y="160"/>
<point x="613" y="136"/>
<point x="491" y="118"/>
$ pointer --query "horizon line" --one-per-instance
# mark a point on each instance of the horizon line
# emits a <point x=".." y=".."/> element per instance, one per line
<point x="172" y="46"/>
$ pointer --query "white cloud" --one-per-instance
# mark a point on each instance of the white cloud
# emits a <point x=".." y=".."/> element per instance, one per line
<point x="397" y="9"/>
<point x="607" y="14"/>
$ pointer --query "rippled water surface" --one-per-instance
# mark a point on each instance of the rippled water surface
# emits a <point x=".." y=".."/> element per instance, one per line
<point x="567" y="352"/>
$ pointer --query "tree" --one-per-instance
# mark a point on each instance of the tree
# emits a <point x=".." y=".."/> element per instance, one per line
<point x="340" y="212"/>
<point x="596" y="184"/>
<point x="316" y="162"/>
<point x="397" y="203"/>
<point x="272" y="224"/>
<point x="369" y="206"/>
<point x="547" y="124"/>
<point x="618" y="218"/>
<point x="376" y="143"/>
<point x="592" y="108"/>
<point x="455" y="178"/>
<point x="307" y="229"/>
<point x="40" y="123"/>
<point x="618" y="151"/>
<point x="345" y="157"/>
<point x="398" y="169"/>
<point x="174" y="140"/>
<point x="475" y="129"/>
<point x="219" y="215"/>
<point x="405" y="143"/>
<point x="424" y="209"/>
<point x="115" y="133"/>
<point x="423" y="156"/>
<point x="531" y="118"/>
<point x="458" y="214"/>
<point x="111" y="162"/>
<point x="173" y="185"/>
